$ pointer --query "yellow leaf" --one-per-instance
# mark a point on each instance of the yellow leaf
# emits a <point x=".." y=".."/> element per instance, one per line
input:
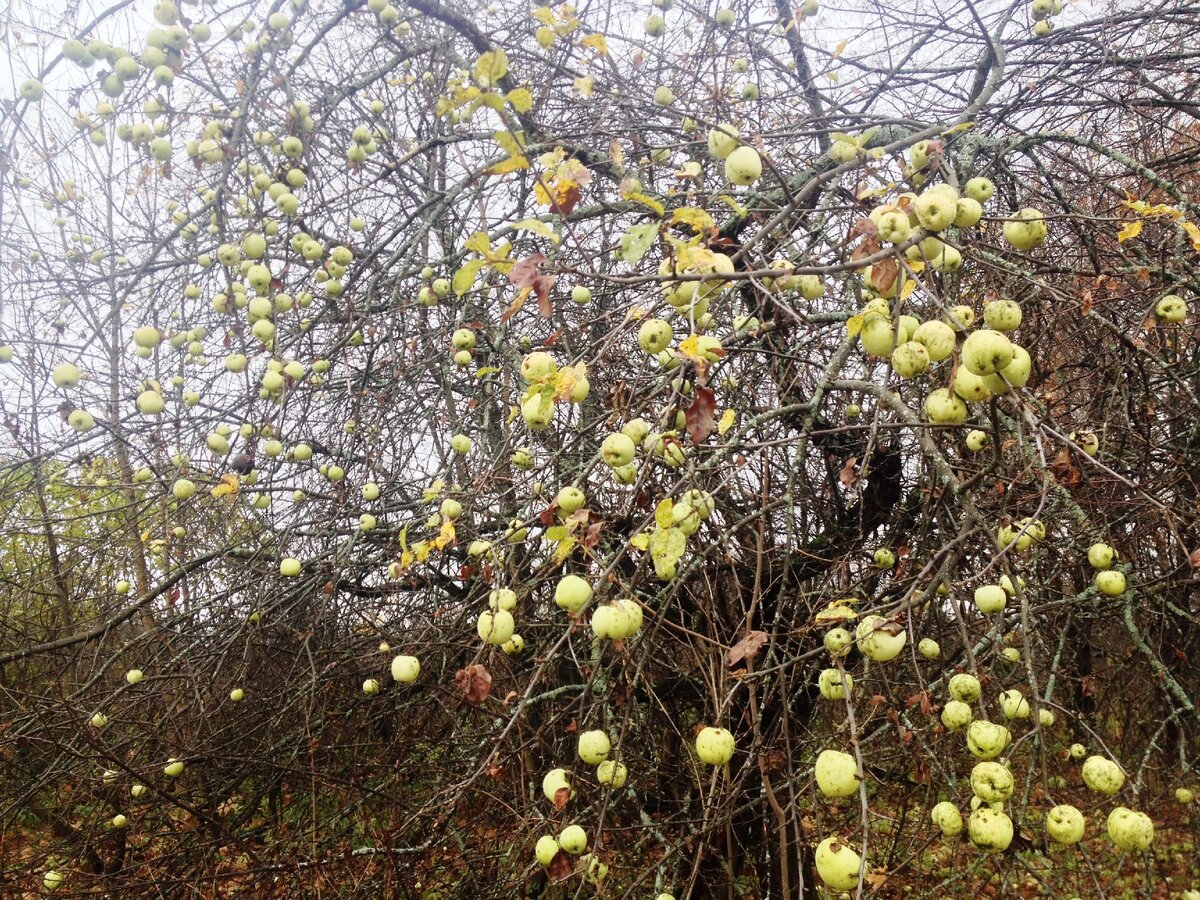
<point x="543" y="14"/>
<point x="663" y="516"/>
<point x="227" y="487"/>
<point x="1130" y="231"/>
<point x="727" y="419"/>
<point x="514" y="164"/>
<point x="918" y="266"/>
<point x="479" y="243"/>
<point x="837" y="51"/>
<point x="696" y="219"/>
<point x="520" y="99"/>
<point x="691" y="169"/>
<point x="566" y="378"/>
<point x="564" y="549"/>
<point x="690" y="348"/>
<point x="645" y="200"/>
<point x="854" y="325"/>
<point x="407" y="559"/>
<point x="404" y="538"/>
<point x="433" y="491"/>
<point x="595" y="42"/>
<point x="586" y="85"/>
<point x="1194" y="233"/>
<point x="616" y="154"/>
<point x="907" y="290"/>
<point x="958" y="129"/>
<point x="737" y="208"/>
<point x="537" y="228"/>
<point x="640" y="541"/>
<point x="421" y="550"/>
<point x="491" y="67"/>
<point x="445" y="535"/>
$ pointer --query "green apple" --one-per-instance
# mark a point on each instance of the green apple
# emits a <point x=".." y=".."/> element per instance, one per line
<point x="938" y="338"/>
<point x="880" y="639"/>
<point x="1110" y="582"/>
<point x="935" y="210"/>
<point x="594" y="747"/>
<point x="654" y="335"/>
<point x="450" y="509"/>
<point x="65" y="375"/>
<point x="743" y="166"/>
<point x="237" y="695"/>
<point x="1183" y="796"/>
<point x="956" y="715"/>
<point x="944" y="408"/>
<point x="1130" y="830"/>
<point x="969" y="386"/>
<point x="838" y="865"/>
<point x="514" y="646"/>
<point x="976" y="440"/>
<point x="538" y="366"/>
<point x="877" y="336"/>
<point x="290" y="567"/>
<point x="990" y="830"/>
<point x="910" y="359"/>
<point x="1002" y="315"/>
<point x="612" y="773"/>
<point x="1101" y="556"/>
<point x="570" y="499"/>
<point x="833" y="685"/>
<point x="572" y="593"/>
<point x="991" y="782"/>
<point x="618" y="450"/>
<point x="986" y="352"/>
<point x="836" y="773"/>
<point x="1025" y="229"/>
<point x="979" y="189"/>
<point x="502" y="598"/>
<point x="723" y="139"/>
<point x="968" y="212"/>
<point x="134" y="676"/>
<point x="183" y="489"/>
<point x="174" y="768"/>
<point x="1171" y="308"/>
<point x="573" y="839"/>
<point x="838" y="641"/>
<point x="885" y="558"/>
<point x="495" y="627"/>
<point x="990" y="598"/>
<point x="1103" y="775"/>
<point x="947" y="818"/>
<point x="553" y="782"/>
<point x="965" y="687"/>
<point x="1065" y="824"/>
<point x="987" y="740"/>
<point x="405" y="669"/>
<point x="929" y="648"/>
<point x="52" y="879"/>
<point x="546" y="849"/>
<point x="714" y="746"/>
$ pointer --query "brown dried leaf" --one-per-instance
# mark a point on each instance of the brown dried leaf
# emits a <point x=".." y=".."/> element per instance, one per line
<point x="866" y="248"/>
<point x="525" y="275"/>
<point x="562" y="866"/>
<point x="747" y="648"/>
<point x="849" y="474"/>
<point x="884" y="274"/>
<point x="1194" y="558"/>
<point x="475" y="681"/>
<point x="1064" y="470"/>
<point x="562" y="797"/>
<point x="700" y="414"/>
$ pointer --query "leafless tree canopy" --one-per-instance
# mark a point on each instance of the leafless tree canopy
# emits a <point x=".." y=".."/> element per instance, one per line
<point x="310" y="311"/>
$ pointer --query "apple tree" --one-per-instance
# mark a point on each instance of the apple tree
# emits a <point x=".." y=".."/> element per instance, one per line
<point x="688" y="448"/>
